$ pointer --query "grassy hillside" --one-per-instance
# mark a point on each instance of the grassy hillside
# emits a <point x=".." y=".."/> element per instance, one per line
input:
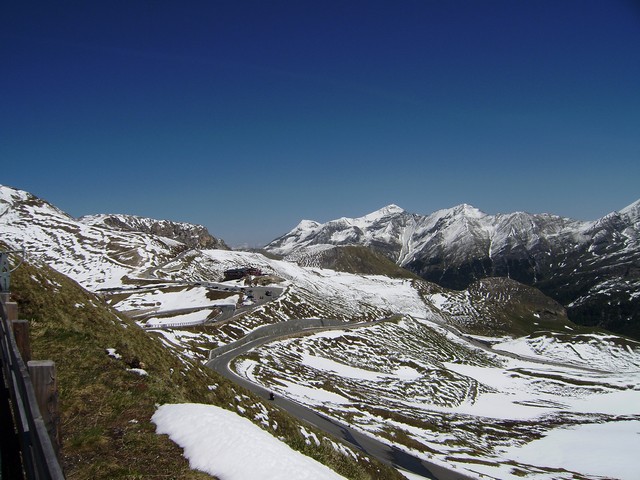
<point x="106" y="406"/>
<point x="355" y="259"/>
<point x="497" y="306"/>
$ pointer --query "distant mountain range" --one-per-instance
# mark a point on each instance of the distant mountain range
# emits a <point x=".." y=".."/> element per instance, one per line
<point x="110" y="252"/>
<point x="592" y="268"/>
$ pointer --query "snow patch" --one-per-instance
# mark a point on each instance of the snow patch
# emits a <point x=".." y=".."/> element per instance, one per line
<point x="223" y="444"/>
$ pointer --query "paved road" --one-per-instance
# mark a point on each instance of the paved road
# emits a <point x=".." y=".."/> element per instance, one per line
<point x="383" y="452"/>
<point x="254" y="297"/>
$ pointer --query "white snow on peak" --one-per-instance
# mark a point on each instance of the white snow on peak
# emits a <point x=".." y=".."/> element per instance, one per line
<point x="307" y="225"/>
<point x="367" y="219"/>
<point x="7" y="197"/>
<point x="340" y="231"/>
<point x="11" y="195"/>
<point x="373" y="217"/>
<point x="468" y="211"/>
<point x="133" y="221"/>
<point x="463" y="210"/>
<point x="384" y="212"/>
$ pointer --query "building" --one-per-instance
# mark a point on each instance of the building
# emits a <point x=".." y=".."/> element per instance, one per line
<point x="238" y="273"/>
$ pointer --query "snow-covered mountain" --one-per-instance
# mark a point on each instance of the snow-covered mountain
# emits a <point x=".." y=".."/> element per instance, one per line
<point x="98" y="252"/>
<point x="590" y="267"/>
<point x="461" y="234"/>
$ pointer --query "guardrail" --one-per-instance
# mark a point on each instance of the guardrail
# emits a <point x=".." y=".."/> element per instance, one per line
<point x="224" y="308"/>
<point x="34" y="432"/>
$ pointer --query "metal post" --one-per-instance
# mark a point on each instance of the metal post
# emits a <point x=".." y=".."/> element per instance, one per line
<point x="11" y="309"/>
<point x="5" y="269"/>
<point x="5" y="272"/>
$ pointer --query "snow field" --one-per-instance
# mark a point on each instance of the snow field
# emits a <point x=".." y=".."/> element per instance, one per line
<point x="605" y="450"/>
<point x="228" y="446"/>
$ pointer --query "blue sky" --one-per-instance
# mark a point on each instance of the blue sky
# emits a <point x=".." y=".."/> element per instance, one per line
<point x="248" y="116"/>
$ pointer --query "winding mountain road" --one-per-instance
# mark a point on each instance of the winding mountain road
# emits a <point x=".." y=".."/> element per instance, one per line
<point x="387" y="454"/>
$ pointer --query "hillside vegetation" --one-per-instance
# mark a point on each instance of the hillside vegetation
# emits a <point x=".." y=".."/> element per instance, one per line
<point x="353" y="259"/>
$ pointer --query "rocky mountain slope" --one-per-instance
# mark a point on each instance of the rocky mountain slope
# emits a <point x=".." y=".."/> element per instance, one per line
<point x="592" y="268"/>
<point x="351" y="258"/>
<point x="193" y="236"/>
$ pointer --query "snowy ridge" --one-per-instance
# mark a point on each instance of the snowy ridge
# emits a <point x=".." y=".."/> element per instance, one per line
<point x="632" y="212"/>
<point x="580" y="263"/>
<point x="92" y="255"/>
<point x="195" y="236"/>
<point x="382" y="226"/>
<point x="461" y="229"/>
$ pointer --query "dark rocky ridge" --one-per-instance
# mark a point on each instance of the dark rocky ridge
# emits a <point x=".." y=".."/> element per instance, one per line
<point x="193" y="236"/>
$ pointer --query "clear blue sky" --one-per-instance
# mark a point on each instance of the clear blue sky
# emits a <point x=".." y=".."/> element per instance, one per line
<point x="248" y="116"/>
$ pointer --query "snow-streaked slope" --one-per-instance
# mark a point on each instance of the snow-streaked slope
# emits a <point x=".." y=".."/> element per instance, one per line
<point x="93" y="256"/>
<point x="425" y="389"/>
<point x="193" y="236"/>
<point x="343" y="294"/>
<point x="101" y="251"/>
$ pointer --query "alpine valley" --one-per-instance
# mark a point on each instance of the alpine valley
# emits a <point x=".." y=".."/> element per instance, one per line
<point x="475" y="346"/>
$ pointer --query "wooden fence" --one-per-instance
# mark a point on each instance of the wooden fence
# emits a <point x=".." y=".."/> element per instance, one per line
<point x="31" y="390"/>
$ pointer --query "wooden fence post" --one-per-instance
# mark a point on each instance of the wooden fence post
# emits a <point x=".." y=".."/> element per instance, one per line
<point x="12" y="310"/>
<point x="45" y="385"/>
<point x="21" y="334"/>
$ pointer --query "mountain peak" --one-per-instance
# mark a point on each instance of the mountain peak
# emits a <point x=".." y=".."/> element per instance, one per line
<point x="307" y="225"/>
<point x="192" y="235"/>
<point x="387" y="211"/>
<point x="392" y="208"/>
<point x="468" y="211"/>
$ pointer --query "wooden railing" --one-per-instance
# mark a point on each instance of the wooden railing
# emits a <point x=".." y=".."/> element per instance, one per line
<point x="34" y="410"/>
